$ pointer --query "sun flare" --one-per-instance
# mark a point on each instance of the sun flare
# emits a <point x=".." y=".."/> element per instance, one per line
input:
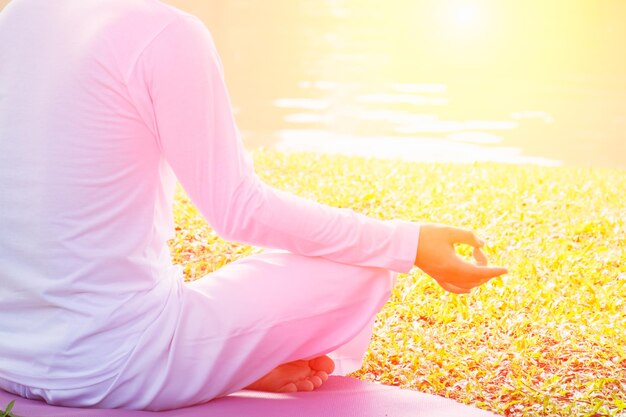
<point x="464" y="17"/>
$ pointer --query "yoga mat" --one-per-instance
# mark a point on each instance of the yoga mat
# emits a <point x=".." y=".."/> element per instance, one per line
<point x="339" y="397"/>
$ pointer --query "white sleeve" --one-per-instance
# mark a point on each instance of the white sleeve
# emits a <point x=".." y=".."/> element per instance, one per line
<point x="197" y="135"/>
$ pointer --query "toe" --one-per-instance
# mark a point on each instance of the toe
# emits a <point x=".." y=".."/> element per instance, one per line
<point x="323" y="376"/>
<point x="316" y="380"/>
<point x="322" y="363"/>
<point x="305" y="385"/>
<point x="291" y="387"/>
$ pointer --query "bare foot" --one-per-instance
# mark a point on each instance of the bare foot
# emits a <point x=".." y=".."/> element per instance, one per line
<point x="296" y="376"/>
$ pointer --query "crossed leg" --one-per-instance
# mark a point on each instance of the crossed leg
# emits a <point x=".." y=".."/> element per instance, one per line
<point x="271" y="322"/>
<point x="305" y="311"/>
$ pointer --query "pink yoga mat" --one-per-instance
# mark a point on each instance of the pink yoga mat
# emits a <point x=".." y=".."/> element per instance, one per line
<point x="339" y="397"/>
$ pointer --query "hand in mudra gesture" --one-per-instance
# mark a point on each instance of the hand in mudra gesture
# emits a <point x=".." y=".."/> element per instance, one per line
<point x="436" y="256"/>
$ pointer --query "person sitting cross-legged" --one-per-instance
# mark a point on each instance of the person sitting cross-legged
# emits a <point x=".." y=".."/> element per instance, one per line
<point x="104" y="105"/>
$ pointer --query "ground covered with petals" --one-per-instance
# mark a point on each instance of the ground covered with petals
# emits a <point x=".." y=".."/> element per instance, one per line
<point x="548" y="339"/>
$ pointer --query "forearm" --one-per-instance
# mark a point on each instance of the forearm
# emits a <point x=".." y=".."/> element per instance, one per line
<point x="261" y="215"/>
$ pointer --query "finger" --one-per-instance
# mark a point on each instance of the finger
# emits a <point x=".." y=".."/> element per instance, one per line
<point x="466" y="236"/>
<point x="486" y="273"/>
<point x="477" y="273"/>
<point x="480" y="257"/>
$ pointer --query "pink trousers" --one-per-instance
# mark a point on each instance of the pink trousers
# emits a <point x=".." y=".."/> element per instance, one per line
<point x="234" y="325"/>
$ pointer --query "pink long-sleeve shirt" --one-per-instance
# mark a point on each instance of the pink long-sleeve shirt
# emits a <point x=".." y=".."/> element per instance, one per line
<point x="103" y="105"/>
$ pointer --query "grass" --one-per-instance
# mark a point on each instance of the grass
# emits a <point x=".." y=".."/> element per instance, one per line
<point x="548" y="339"/>
<point x="7" y="411"/>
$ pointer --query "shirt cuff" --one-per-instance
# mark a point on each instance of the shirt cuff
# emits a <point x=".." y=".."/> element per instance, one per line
<point x="406" y="238"/>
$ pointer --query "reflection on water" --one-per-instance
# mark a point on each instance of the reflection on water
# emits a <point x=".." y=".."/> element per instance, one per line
<point x="348" y="76"/>
<point x="416" y="149"/>
<point x="520" y="82"/>
<point x="526" y="85"/>
<point x="390" y="124"/>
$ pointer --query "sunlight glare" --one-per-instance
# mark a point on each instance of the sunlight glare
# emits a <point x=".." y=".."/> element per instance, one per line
<point x="465" y="15"/>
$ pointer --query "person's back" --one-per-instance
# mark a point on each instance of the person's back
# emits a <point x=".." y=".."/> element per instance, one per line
<point x="101" y="103"/>
<point x="81" y="242"/>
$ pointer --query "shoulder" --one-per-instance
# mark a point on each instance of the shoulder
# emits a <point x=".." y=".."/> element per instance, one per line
<point x="137" y="22"/>
<point x="131" y="27"/>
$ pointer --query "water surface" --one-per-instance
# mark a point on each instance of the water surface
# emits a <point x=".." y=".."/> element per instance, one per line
<point x="449" y="80"/>
<point x="541" y="84"/>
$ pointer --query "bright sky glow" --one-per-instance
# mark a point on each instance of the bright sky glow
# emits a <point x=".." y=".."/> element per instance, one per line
<point x="466" y="14"/>
<point x="438" y="69"/>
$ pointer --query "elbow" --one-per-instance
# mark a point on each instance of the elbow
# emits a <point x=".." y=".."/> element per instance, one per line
<point x="238" y="214"/>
